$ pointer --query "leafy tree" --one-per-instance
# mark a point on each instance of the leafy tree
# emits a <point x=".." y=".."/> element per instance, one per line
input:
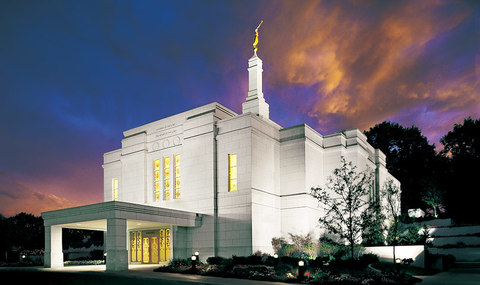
<point x="345" y="198"/>
<point x="26" y="231"/>
<point x="391" y="195"/>
<point x="4" y="237"/>
<point x="373" y="225"/>
<point x="410" y="159"/>
<point x="461" y="148"/>
<point x="433" y="197"/>
<point x="463" y="141"/>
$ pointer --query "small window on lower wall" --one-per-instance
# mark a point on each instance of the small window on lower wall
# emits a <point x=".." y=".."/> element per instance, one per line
<point x="115" y="189"/>
<point x="232" y="172"/>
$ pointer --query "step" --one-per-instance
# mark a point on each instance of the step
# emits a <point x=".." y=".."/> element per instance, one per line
<point x="467" y="264"/>
<point x="455" y="241"/>
<point x="465" y="254"/>
<point x="454" y="231"/>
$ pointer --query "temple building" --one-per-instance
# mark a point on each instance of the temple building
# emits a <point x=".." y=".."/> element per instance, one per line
<point x="213" y="181"/>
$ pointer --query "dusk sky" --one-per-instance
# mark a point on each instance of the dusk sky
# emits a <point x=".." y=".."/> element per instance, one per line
<point x="75" y="74"/>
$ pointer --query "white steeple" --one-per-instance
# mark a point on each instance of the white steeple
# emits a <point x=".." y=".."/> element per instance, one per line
<point x="255" y="103"/>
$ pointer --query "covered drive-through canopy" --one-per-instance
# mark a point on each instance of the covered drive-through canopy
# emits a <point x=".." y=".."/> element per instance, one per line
<point x="116" y="219"/>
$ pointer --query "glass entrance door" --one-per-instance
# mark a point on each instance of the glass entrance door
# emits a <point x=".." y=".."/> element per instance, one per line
<point x="150" y="247"/>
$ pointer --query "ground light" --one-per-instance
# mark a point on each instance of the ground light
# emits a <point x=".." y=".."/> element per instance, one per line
<point x="275" y="256"/>
<point x="397" y="263"/>
<point x="301" y="270"/>
<point x="194" y="263"/>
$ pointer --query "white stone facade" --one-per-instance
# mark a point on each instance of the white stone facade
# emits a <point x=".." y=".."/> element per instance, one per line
<point x="276" y="168"/>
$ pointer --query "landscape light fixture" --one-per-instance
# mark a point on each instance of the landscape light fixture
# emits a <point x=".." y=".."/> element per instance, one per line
<point x="301" y="269"/>
<point x="397" y="261"/>
<point x="194" y="263"/>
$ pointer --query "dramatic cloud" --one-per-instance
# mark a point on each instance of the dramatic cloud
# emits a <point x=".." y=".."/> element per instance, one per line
<point x="367" y="63"/>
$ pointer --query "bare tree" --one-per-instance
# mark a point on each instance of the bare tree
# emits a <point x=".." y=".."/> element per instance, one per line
<point x="345" y="199"/>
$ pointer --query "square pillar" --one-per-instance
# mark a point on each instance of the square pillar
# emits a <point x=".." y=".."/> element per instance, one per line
<point x="53" y="257"/>
<point x="116" y="245"/>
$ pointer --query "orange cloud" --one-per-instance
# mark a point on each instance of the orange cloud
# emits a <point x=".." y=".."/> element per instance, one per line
<point x="365" y="61"/>
<point x="22" y="196"/>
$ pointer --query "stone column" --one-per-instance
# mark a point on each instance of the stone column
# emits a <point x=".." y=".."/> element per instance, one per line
<point x="53" y="257"/>
<point x="116" y="245"/>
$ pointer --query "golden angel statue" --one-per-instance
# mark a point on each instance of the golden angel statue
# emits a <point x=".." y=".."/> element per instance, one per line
<point x="256" y="38"/>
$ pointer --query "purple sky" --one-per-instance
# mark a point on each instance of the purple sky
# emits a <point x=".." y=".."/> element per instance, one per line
<point x="75" y="74"/>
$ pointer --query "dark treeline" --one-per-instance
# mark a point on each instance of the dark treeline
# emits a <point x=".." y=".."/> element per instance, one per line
<point x="448" y="176"/>
<point x="26" y="232"/>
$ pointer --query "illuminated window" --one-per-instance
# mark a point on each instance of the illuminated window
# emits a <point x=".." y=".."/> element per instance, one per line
<point x="156" y="180"/>
<point x="115" y="189"/>
<point x="177" y="176"/>
<point x="232" y="172"/>
<point x="166" y="178"/>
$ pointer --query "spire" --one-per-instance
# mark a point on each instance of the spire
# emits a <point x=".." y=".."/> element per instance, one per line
<point x="255" y="103"/>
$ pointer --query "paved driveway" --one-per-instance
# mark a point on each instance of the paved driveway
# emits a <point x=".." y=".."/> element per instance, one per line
<point x="464" y="276"/>
<point x="137" y="275"/>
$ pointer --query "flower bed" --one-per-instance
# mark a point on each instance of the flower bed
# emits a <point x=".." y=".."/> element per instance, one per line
<point x="269" y="269"/>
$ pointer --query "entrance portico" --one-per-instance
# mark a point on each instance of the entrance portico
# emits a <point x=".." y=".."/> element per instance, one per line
<point x="117" y="219"/>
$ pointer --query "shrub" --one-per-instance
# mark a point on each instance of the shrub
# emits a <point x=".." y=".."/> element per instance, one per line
<point x="215" y="260"/>
<point x="317" y="262"/>
<point x="277" y="243"/>
<point x="177" y="262"/>
<point x="287" y="250"/>
<point x="260" y="272"/>
<point x="282" y="269"/>
<point x="368" y="258"/>
<point x="293" y="261"/>
<point x="327" y="246"/>
<point x="411" y="236"/>
<point x="254" y="260"/>
<point x="239" y="260"/>
<point x="241" y="271"/>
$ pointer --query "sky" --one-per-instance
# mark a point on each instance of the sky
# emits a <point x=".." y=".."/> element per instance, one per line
<point x="75" y="74"/>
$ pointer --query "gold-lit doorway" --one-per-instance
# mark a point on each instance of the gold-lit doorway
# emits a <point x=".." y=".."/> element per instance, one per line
<point x="150" y="247"/>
